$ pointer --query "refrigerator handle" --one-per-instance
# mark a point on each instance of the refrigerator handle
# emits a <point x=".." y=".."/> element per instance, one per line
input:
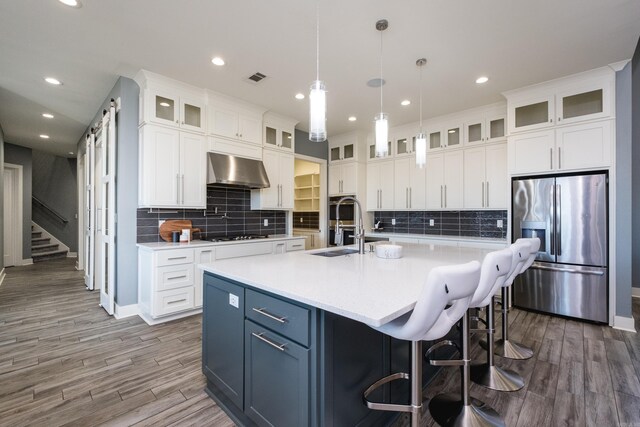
<point x="551" y="235"/>
<point x="558" y="219"/>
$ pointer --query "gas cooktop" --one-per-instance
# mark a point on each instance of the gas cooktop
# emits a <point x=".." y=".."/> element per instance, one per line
<point x="240" y="237"/>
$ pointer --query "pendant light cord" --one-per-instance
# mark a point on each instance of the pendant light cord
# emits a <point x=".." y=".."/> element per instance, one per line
<point x="381" y="79"/>
<point x="318" y="40"/>
<point x="421" y="98"/>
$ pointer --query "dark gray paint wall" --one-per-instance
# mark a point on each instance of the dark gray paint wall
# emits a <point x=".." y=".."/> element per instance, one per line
<point x="1" y="199"/>
<point x="55" y="184"/>
<point x="127" y="186"/>
<point x="305" y="147"/>
<point x="22" y="156"/>
<point x="635" y="205"/>
<point x="623" y="192"/>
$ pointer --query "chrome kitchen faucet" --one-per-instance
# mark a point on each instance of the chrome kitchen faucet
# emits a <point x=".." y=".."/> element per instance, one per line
<point x="359" y="231"/>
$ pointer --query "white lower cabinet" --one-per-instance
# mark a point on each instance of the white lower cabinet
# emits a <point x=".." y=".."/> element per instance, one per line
<point x="445" y="180"/>
<point x="410" y="185"/>
<point x="582" y="146"/>
<point x="312" y="239"/>
<point x="380" y="185"/>
<point x="485" y="177"/>
<point x="202" y="255"/>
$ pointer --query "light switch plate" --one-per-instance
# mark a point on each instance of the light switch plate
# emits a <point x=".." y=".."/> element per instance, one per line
<point x="234" y="300"/>
<point x="393" y="221"/>
<point x="431" y="223"/>
<point x="266" y="222"/>
<point x="301" y="220"/>
<point x="499" y="223"/>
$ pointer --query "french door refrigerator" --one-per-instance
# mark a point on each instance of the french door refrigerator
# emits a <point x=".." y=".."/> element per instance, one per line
<point x="569" y="215"/>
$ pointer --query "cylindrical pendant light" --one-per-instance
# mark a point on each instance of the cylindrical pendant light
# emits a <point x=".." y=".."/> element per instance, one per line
<point x="382" y="124"/>
<point x="317" y="95"/>
<point x="421" y="139"/>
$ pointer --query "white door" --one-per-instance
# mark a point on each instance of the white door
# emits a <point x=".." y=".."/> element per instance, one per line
<point x="192" y="188"/>
<point x="106" y="236"/>
<point x="474" y="178"/>
<point x="12" y="223"/>
<point x="286" y="180"/>
<point x="89" y="213"/>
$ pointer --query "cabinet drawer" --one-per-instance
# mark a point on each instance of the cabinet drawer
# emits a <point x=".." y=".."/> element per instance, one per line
<point x="295" y="245"/>
<point x="172" y="301"/>
<point x="285" y="318"/>
<point x="175" y="256"/>
<point x="243" y="249"/>
<point x="174" y="276"/>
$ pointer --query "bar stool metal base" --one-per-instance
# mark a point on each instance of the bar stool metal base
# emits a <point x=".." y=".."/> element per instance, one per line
<point x="448" y="410"/>
<point x="512" y="350"/>
<point x="496" y="378"/>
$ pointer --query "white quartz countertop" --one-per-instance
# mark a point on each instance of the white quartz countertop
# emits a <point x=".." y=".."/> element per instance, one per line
<point x="201" y="243"/>
<point x="360" y="287"/>
<point x="438" y="237"/>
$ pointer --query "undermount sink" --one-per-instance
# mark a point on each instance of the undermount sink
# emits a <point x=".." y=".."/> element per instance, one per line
<point x="337" y="252"/>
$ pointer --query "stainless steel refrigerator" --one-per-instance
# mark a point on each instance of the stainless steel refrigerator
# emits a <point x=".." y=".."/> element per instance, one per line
<point x="569" y="215"/>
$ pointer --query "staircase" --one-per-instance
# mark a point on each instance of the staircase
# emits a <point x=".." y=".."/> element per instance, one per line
<point x="43" y="250"/>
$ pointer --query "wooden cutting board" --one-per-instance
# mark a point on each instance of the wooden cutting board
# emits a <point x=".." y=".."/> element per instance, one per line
<point x="169" y="226"/>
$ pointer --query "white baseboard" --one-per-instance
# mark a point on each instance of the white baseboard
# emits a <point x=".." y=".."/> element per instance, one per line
<point x="2" y="276"/>
<point x="164" y="319"/>
<point x="635" y="292"/>
<point x="624" y="323"/>
<point x="72" y="254"/>
<point x="123" y="311"/>
<point x="27" y="261"/>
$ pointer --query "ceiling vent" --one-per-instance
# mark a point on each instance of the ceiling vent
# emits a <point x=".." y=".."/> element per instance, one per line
<point x="257" y="77"/>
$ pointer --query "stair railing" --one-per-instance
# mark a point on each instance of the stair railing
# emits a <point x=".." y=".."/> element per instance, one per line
<point x="49" y="209"/>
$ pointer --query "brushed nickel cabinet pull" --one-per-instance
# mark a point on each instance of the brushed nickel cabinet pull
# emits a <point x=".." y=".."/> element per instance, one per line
<point x="260" y="336"/>
<point x="281" y="320"/>
<point x="483" y="194"/>
<point x="487" y="193"/>
<point x="550" y="158"/>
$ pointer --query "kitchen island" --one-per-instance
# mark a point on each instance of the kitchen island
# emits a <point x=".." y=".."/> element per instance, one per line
<point x="286" y="339"/>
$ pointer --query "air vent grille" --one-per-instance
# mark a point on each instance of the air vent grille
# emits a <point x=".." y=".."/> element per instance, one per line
<point x="257" y="77"/>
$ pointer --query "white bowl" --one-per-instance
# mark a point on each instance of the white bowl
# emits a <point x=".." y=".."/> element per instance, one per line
<point x="388" y="251"/>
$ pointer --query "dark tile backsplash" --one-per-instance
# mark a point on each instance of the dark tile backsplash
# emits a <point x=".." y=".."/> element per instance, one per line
<point x="235" y="202"/>
<point x="445" y="223"/>
<point x="309" y="220"/>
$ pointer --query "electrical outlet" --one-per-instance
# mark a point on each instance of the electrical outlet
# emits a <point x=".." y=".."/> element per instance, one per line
<point x="265" y="222"/>
<point x="499" y="223"/>
<point x="234" y="300"/>
<point x="393" y="221"/>
<point x="160" y="222"/>
<point x="431" y="223"/>
<point x="301" y="220"/>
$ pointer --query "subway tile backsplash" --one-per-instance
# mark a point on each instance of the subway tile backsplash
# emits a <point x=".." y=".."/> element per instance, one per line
<point x="235" y="202"/>
<point x="445" y="223"/>
<point x="306" y="220"/>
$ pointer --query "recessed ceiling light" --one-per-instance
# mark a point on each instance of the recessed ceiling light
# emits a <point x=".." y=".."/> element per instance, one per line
<point x="47" y="115"/>
<point x="452" y="131"/>
<point x="43" y="136"/>
<point x="352" y="118"/>
<point x="72" y="3"/>
<point x="482" y="79"/>
<point x="165" y="104"/>
<point x="52" y="81"/>
<point x="217" y="61"/>
<point x="405" y="103"/>
<point x="299" y="95"/>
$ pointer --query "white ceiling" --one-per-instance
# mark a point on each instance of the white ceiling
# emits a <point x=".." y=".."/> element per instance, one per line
<point x="514" y="42"/>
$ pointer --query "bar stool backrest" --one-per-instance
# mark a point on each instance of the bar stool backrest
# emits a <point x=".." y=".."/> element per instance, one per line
<point x="495" y="269"/>
<point x="520" y="255"/>
<point x="534" y="247"/>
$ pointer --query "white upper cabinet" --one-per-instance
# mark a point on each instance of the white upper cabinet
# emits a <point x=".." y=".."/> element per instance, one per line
<point x="347" y="147"/>
<point x="485" y="177"/>
<point x="445" y="180"/>
<point x="280" y="170"/>
<point x="279" y="132"/>
<point x="581" y="97"/>
<point x="172" y="103"/>
<point x="380" y="185"/>
<point x="487" y="127"/>
<point x="344" y="179"/>
<point x="410" y="185"/>
<point x="371" y="149"/>
<point x="235" y="121"/>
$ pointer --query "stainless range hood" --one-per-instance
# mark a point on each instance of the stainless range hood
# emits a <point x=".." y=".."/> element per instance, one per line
<point x="232" y="170"/>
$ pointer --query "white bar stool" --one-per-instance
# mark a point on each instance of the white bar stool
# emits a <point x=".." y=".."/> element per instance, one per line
<point x="505" y="347"/>
<point x="463" y="410"/>
<point x="430" y="319"/>
<point x="488" y="374"/>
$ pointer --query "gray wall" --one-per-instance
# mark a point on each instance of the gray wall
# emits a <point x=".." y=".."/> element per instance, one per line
<point x="22" y="156"/>
<point x="635" y="206"/>
<point x="55" y="184"/>
<point x="623" y="191"/>
<point x="1" y="200"/>
<point x="305" y="147"/>
<point x="127" y="187"/>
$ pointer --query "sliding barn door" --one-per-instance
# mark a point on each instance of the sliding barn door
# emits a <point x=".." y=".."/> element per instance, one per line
<point x="89" y="213"/>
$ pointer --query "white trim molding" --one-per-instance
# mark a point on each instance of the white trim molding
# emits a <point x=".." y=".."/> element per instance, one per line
<point x="72" y="254"/>
<point x="26" y="261"/>
<point x="624" y="324"/>
<point x="635" y="292"/>
<point x="618" y="66"/>
<point x="123" y="311"/>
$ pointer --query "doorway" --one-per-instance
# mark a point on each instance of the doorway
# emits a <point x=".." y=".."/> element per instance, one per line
<point x="309" y="203"/>
<point x="12" y="215"/>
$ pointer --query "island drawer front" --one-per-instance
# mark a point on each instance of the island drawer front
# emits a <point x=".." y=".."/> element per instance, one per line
<point x="174" y="276"/>
<point x="175" y="256"/>
<point x="173" y="301"/>
<point x="295" y="245"/>
<point x="285" y="318"/>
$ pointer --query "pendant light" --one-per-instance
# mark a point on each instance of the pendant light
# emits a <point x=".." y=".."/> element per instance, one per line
<point x="421" y="139"/>
<point x="317" y="95"/>
<point x="382" y="123"/>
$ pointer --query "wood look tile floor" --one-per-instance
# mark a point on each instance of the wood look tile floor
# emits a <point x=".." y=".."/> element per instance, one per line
<point x="64" y="361"/>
